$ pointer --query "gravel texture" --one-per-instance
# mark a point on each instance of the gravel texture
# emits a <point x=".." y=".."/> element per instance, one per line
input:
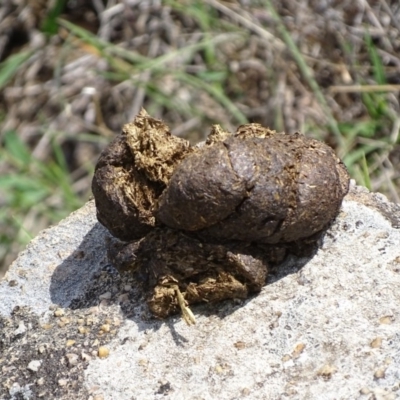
<point x="323" y="328"/>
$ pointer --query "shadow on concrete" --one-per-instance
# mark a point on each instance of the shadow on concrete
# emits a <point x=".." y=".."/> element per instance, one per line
<point x="86" y="279"/>
<point x="75" y="274"/>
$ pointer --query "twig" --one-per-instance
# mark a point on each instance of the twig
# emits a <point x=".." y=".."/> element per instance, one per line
<point x="187" y="314"/>
<point x="247" y="23"/>
<point x="363" y="88"/>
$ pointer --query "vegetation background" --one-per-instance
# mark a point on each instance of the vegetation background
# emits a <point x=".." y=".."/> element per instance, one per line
<point x="73" y="72"/>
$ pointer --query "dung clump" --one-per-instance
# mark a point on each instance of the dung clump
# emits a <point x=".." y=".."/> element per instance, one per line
<point x="204" y="223"/>
<point x="131" y="174"/>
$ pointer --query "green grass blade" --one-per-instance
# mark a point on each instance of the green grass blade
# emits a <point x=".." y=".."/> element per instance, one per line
<point x="50" y="25"/>
<point x="365" y="172"/>
<point x="10" y="66"/>
<point x="356" y="155"/>
<point x="16" y="150"/>
<point x="136" y="62"/>
<point x="22" y="191"/>
<point x="378" y="67"/>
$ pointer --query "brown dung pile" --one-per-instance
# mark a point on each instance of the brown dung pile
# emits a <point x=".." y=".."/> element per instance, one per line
<point x="204" y="223"/>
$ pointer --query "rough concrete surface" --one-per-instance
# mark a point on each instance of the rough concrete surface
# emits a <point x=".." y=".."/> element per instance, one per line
<point x="323" y="328"/>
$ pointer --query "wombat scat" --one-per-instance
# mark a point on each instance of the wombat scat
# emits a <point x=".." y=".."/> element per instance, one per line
<point x="269" y="189"/>
<point x="210" y="219"/>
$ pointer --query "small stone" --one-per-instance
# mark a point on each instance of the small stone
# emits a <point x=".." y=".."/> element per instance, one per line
<point x="365" y="391"/>
<point x="62" y="382"/>
<point x="103" y="352"/>
<point x="218" y="369"/>
<point x="326" y="371"/>
<point x="85" y="357"/>
<point x="72" y="359"/>
<point x="105" y="328"/>
<point x="376" y="343"/>
<point x="34" y="365"/>
<point x="21" y="329"/>
<point x="240" y="345"/>
<point x="386" y="320"/>
<point x="105" y="296"/>
<point x="380" y="373"/>
<point x="83" y="330"/>
<point x="70" y="342"/>
<point x="298" y="350"/>
<point x="127" y="288"/>
<point x="40" y="382"/>
<point x="59" y="312"/>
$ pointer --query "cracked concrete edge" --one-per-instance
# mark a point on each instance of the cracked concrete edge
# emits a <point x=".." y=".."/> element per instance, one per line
<point x="376" y="201"/>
